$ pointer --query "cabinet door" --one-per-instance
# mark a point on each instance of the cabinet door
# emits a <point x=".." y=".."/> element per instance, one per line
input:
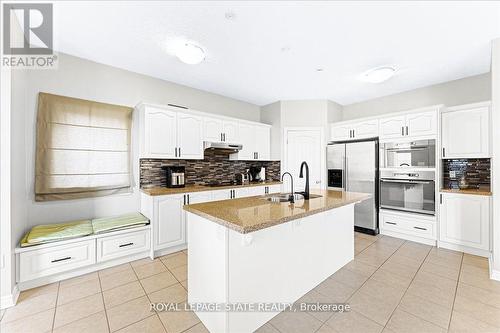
<point x="392" y="127"/>
<point x="340" y="132"/>
<point x="263" y="142"/>
<point x="464" y="220"/>
<point x="366" y="129"/>
<point x="212" y="129"/>
<point x="242" y="192"/>
<point x="230" y="131"/>
<point x="160" y="131"/>
<point x="274" y="189"/>
<point x="199" y="197"/>
<point x="169" y="228"/>
<point x="247" y="139"/>
<point x="221" y="195"/>
<point x="465" y="133"/>
<point x="421" y="124"/>
<point x="189" y="134"/>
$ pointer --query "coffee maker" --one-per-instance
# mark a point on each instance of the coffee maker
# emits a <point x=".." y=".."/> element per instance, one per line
<point x="175" y="176"/>
<point x="255" y="175"/>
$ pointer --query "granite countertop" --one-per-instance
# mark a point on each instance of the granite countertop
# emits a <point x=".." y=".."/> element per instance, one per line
<point x="250" y="214"/>
<point x="475" y="191"/>
<point x="200" y="188"/>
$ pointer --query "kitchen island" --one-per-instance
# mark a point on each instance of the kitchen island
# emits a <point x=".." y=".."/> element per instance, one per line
<point x="252" y="251"/>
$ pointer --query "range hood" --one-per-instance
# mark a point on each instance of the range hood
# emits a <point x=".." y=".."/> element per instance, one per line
<point x="222" y="146"/>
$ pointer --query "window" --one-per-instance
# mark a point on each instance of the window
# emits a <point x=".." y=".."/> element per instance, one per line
<point x="82" y="148"/>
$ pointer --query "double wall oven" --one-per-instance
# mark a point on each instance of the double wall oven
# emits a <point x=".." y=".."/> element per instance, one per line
<point x="408" y="177"/>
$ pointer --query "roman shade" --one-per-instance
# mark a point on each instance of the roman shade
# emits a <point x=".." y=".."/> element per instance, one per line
<point x="82" y="148"/>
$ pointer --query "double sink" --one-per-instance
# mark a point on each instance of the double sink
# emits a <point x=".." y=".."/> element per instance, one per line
<point x="284" y="197"/>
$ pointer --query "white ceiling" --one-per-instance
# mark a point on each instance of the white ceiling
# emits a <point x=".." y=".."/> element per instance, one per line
<point x="270" y="51"/>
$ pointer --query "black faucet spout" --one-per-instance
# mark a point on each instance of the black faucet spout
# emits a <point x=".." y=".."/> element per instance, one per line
<point x="301" y="175"/>
<point x="291" y="198"/>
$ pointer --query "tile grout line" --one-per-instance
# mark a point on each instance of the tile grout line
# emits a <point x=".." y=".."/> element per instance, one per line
<point x="55" y="308"/>
<point x="103" y="303"/>
<point x="406" y="290"/>
<point x="404" y="241"/>
<point x="456" y="290"/>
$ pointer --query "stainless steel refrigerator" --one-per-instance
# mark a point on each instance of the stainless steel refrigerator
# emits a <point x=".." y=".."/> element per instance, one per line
<point x="353" y="166"/>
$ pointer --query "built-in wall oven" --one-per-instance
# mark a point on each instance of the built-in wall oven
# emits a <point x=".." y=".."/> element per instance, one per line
<point x="409" y="191"/>
<point x="416" y="154"/>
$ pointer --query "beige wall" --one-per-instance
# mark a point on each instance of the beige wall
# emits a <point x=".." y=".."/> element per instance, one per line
<point x="467" y="90"/>
<point x="85" y="79"/>
<point x="271" y="114"/>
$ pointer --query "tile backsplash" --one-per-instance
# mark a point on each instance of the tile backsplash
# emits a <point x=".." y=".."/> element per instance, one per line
<point x="216" y="166"/>
<point x="477" y="172"/>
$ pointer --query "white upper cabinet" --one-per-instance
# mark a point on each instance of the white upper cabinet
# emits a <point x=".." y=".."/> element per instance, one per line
<point x="256" y="141"/>
<point x="220" y="130"/>
<point x="212" y="129"/>
<point x="263" y="139"/>
<point x="420" y="124"/>
<point x="465" y="131"/>
<point x="160" y="133"/>
<point x="392" y="127"/>
<point x="354" y="130"/>
<point x="247" y="139"/>
<point x="366" y="129"/>
<point x="417" y="124"/>
<point x="340" y="132"/>
<point x="189" y="136"/>
<point x="230" y="131"/>
<point x="167" y="132"/>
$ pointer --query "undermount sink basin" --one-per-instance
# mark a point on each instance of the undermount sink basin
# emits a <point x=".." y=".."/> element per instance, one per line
<point x="284" y="197"/>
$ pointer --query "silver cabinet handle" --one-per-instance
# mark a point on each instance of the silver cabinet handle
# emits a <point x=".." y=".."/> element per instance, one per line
<point x="419" y="228"/>
<point x="444" y="152"/>
<point x="62" y="259"/>
<point x="179" y="151"/>
<point x="391" y="223"/>
<point x="402" y="131"/>
<point x="184" y="196"/>
<point x="125" y="245"/>
<point x="175" y="151"/>
<point x="406" y="130"/>
<point x="189" y="198"/>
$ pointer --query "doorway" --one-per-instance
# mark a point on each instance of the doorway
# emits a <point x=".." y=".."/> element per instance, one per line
<point x="304" y="144"/>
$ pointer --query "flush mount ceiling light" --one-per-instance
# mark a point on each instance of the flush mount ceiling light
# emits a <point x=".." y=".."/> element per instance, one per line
<point x="190" y="53"/>
<point x="378" y="75"/>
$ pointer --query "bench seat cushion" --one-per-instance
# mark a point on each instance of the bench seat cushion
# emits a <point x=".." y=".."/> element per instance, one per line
<point x="126" y="221"/>
<point x="47" y="233"/>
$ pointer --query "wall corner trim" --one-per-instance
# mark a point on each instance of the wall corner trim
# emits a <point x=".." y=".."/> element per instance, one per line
<point x="10" y="300"/>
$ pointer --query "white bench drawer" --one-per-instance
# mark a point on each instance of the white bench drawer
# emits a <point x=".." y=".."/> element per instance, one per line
<point x="61" y="258"/>
<point x="122" y="245"/>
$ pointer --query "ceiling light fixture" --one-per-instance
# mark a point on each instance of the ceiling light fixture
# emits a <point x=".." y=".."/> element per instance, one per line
<point x="378" y="75"/>
<point x="190" y="53"/>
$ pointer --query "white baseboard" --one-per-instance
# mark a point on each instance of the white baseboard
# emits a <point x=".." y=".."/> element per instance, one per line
<point x="494" y="274"/>
<point x="465" y="249"/>
<point x="164" y="252"/>
<point x="24" y="285"/>
<point x="10" y="300"/>
<point x="412" y="238"/>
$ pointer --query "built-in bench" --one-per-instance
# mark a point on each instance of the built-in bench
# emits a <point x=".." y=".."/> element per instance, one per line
<point x="108" y="245"/>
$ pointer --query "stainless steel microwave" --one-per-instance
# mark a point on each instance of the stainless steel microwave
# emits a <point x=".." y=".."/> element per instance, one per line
<point x="411" y="154"/>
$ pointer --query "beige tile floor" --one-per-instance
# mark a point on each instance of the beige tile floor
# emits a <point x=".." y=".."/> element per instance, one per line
<point x="391" y="285"/>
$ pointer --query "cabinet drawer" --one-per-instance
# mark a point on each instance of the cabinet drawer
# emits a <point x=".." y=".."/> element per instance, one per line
<point x="44" y="262"/>
<point x="408" y="225"/>
<point x="122" y="245"/>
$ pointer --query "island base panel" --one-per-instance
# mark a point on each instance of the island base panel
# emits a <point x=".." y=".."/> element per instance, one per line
<point x="274" y="265"/>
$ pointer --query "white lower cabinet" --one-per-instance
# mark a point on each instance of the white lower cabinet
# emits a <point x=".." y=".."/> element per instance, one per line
<point x="168" y="216"/>
<point x="168" y="221"/>
<point x="465" y="222"/>
<point x="415" y="227"/>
